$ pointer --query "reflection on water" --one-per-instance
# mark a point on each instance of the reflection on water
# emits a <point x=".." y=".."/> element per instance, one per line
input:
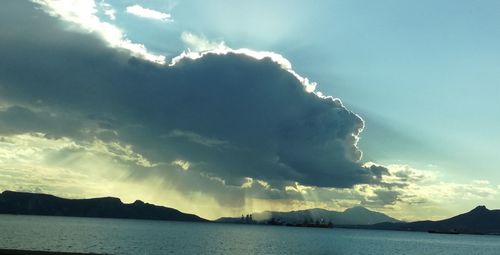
<point x="115" y="236"/>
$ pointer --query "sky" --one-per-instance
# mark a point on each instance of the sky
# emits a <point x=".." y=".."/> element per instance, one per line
<point x="225" y="108"/>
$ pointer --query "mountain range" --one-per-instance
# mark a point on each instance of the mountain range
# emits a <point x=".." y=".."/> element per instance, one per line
<point x="480" y="220"/>
<point x="106" y="207"/>
<point x="353" y="216"/>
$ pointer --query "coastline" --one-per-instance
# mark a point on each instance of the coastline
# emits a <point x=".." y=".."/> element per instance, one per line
<point x="32" y="252"/>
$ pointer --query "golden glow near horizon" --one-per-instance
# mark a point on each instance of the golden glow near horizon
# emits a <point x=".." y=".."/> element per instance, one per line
<point x="32" y="162"/>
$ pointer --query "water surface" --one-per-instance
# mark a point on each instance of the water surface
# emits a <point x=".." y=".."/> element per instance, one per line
<point x="116" y="236"/>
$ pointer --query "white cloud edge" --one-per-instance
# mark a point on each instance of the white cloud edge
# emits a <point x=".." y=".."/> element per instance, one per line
<point x="83" y="13"/>
<point x="142" y="12"/>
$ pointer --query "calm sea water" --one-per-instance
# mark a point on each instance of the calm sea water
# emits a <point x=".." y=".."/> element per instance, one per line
<point x="115" y="236"/>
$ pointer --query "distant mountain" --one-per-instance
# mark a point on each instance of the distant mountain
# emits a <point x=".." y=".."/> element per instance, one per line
<point x="480" y="220"/>
<point x="352" y="216"/>
<point x="106" y="207"/>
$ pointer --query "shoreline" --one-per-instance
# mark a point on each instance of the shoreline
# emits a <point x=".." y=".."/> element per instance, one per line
<point x="33" y="252"/>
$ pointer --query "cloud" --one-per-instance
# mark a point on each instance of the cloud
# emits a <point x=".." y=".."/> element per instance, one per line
<point x="203" y="126"/>
<point x="195" y="138"/>
<point x="83" y="15"/>
<point x="148" y="13"/>
<point x="184" y="165"/>
<point x="200" y="43"/>
<point x="108" y="10"/>
<point x="259" y="55"/>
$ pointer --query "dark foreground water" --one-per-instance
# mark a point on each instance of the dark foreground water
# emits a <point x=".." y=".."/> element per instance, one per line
<point x="114" y="236"/>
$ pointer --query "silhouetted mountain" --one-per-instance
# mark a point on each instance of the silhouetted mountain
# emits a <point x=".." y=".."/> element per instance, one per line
<point x="106" y="207"/>
<point x="352" y="216"/>
<point x="480" y="220"/>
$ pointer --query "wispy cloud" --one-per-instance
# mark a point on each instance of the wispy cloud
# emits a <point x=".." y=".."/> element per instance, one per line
<point x="196" y="138"/>
<point x="148" y="13"/>
<point x="108" y="10"/>
<point x="201" y="43"/>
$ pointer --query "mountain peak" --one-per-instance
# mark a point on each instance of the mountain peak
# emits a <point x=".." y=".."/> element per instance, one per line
<point x="357" y="209"/>
<point x="138" y="202"/>
<point x="480" y="208"/>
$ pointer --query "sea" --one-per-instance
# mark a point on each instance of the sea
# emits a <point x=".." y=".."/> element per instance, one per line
<point x="124" y="236"/>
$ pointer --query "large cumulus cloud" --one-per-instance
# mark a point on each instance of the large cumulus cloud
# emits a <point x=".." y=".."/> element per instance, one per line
<point x="230" y="116"/>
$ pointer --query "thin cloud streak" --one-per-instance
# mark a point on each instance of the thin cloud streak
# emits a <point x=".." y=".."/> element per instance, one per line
<point x="148" y="13"/>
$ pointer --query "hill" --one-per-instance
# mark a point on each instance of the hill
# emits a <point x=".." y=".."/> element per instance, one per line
<point x="480" y="220"/>
<point x="107" y="207"/>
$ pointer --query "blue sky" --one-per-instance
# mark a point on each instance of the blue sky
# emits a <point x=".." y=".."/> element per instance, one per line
<point x="423" y="75"/>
